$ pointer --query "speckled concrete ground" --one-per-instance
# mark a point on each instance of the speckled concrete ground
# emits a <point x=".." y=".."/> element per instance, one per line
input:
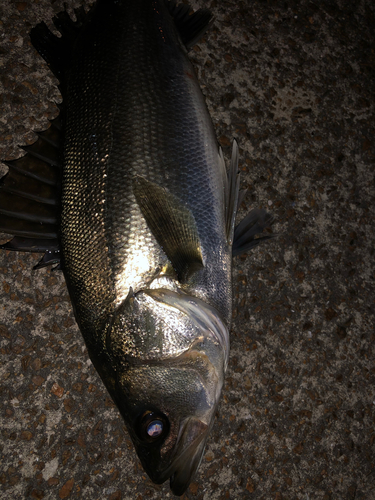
<point x="294" y="83"/>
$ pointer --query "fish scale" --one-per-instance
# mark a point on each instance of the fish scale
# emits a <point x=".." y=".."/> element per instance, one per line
<point x="87" y="145"/>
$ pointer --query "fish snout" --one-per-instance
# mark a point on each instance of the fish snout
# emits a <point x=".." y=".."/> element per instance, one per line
<point x="187" y="457"/>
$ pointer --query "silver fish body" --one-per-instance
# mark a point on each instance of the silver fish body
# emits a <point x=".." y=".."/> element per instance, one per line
<point x="139" y="143"/>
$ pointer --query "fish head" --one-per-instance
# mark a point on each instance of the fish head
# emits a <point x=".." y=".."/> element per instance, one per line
<point x="168" y="389"/>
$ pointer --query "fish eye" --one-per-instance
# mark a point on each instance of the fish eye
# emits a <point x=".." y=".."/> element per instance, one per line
<point x="152" y="426"/>
<point x="155" y="428"/>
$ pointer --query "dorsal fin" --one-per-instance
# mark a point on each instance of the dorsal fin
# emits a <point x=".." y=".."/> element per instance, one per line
<point x="30" y="196"/>
<point x="30" y="192"/>
<point x="57" y="51"/>
<point x="191" y="26"/>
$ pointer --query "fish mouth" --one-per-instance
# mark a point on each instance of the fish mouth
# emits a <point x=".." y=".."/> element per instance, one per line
<point x="187" y="456"/>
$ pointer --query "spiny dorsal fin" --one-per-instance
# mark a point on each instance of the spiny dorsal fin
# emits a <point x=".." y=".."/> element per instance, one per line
<point x="30" y="196"/>
<point x="191" y="26"/>
<point x="30" y="192"/>
<point x="173" y="226"/>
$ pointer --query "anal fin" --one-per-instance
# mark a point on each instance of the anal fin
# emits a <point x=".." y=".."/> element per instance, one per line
<point x="251" y="225"/>
<point x="231" y="190"/>
<point x="243" y="237"/>
<point x="191" y="26"/>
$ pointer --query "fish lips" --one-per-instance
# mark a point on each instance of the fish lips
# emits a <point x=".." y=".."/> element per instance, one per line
<point x="186" y="457"/>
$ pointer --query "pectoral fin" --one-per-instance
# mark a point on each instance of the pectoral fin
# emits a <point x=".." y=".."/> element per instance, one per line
<point x="173" y="226"/>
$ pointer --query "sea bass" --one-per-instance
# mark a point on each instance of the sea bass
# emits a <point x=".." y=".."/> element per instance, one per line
<point x="128" y="193"/>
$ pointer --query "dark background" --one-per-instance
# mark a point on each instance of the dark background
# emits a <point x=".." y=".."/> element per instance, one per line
<point x="294" y="83"/>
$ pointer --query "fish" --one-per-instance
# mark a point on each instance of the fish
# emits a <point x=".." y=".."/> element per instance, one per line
<point x="127" y="192"/>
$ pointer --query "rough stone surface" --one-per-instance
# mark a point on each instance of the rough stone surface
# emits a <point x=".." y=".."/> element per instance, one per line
<point x="294" y="83"/>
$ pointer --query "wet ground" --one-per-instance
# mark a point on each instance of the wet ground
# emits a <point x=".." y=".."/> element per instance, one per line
<point x="294" y="83"/>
